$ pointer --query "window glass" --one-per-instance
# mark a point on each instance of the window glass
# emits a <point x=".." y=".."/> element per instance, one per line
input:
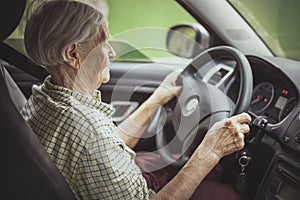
<point x="15" y="40"/>
<point x="138" y="28"/>
<point x="144" y="23"/>
<point x="276" y="22"/>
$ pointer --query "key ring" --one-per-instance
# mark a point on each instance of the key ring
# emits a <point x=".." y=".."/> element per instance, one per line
<point x="244" y="161"/>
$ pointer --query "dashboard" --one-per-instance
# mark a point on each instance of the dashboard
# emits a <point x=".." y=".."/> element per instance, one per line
<point x="274" y="140"/>
<point x="274" y="95"/>
<point x="273" y="100"/>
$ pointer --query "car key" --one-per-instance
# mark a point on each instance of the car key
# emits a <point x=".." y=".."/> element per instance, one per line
<point x="240" y="183"/>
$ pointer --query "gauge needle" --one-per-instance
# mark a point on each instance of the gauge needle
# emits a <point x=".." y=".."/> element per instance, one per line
<point x="255" y="101"/>
<point x="258" y="99"/>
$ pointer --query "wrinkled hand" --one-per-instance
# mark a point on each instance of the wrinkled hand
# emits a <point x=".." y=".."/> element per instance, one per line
<point x="227" y="136"/>
<point x="167" y="89"/>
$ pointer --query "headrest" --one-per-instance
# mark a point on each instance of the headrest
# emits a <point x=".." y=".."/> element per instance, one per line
<point x="11" y="13"/>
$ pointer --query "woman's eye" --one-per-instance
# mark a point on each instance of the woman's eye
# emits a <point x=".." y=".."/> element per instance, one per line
<point x="106" y="45"/>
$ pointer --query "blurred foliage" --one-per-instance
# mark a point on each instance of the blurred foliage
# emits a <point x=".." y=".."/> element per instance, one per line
<point x="131" y="14"/>
<point x="144" y="23"/>
<point x="276" y="22"/>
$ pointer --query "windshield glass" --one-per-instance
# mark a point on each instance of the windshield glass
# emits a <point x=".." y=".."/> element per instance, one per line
<point x="276" y="22"/>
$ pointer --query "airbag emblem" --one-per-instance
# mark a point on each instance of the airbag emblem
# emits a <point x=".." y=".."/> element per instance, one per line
<point x="191" y="106"/>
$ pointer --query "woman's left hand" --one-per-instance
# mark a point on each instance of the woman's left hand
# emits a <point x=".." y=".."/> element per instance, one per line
<point x="133" y="127"/>
<point x="167" y="89"/>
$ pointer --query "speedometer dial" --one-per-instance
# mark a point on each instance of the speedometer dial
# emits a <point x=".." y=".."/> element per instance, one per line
<point x="262" y="96"/>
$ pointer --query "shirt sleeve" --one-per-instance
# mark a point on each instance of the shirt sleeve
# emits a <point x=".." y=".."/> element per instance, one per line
<point x="108" y="171"/>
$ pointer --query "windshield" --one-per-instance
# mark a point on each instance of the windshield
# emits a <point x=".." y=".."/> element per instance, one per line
<point x="276" y="22"/>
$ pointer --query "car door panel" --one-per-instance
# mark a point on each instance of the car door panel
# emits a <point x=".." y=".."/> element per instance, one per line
<point x="133" y="83"/>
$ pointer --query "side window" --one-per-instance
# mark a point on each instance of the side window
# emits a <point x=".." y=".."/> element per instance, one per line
<point x="142" y="26"/>
<point x="15" y="40"/>
<point x="138" y="28"/>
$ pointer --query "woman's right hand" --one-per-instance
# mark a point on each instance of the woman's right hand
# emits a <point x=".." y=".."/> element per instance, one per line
<point x="225" y="137"/>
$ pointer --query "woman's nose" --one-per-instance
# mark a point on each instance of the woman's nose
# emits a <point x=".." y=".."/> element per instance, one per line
<point x="111" y="52"/>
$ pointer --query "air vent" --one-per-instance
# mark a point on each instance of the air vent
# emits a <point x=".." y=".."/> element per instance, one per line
<point x="218" y="74"/>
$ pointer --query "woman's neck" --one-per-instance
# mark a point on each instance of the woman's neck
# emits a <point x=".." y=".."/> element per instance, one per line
<point x="72" y="79"/>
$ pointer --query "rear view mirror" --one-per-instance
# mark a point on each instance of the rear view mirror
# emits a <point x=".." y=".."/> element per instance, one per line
<point x="187" y="40"/>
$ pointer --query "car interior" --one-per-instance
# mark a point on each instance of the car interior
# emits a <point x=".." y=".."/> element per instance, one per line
<point x="265" y="86"/>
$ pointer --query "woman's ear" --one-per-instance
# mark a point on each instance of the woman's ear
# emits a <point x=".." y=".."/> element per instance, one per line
<point x="72" y="56"/>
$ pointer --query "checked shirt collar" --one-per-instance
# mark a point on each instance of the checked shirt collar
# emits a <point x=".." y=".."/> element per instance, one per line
<point x="59" y="92"/>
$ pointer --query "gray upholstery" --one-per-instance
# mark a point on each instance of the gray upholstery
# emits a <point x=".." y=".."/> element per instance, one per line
<point x="15" y="93"/>
<point x="26" y="170"/>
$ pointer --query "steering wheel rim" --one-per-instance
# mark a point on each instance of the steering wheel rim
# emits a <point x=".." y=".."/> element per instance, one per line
<point x="189" y="100"/>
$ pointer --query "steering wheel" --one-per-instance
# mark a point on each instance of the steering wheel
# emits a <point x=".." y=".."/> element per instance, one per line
<point x="201" y="104"/>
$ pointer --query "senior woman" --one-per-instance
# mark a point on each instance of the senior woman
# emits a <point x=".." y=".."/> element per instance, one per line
<point x="70" y="39"/>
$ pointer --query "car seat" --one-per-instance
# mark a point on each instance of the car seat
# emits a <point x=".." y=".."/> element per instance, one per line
<point x="27" y="172"/>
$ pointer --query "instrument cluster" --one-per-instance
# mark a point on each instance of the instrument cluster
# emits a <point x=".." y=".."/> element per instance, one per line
<point x="272" y="100"/>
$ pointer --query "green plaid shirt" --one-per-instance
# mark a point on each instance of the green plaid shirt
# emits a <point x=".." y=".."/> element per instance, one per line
<point x="81" y="139"/>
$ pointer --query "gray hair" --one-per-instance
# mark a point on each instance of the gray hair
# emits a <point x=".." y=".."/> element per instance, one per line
<point x="55" y="25"/>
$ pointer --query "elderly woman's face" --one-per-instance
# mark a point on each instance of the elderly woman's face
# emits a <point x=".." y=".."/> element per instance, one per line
<point x="97" y="61"/>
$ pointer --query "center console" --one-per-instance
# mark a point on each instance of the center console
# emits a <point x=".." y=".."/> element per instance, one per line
<point x="283" y="180"/>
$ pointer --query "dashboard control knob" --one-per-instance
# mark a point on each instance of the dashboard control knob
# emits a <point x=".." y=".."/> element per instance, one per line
<point x="286" y="139"/>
